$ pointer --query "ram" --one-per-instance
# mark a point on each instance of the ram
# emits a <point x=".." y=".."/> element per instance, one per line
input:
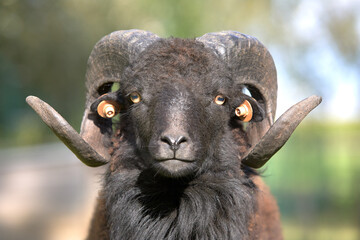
<point x="195" y="122"/>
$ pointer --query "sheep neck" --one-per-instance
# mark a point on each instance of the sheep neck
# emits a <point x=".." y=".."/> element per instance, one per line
<point x="142" y="205"/>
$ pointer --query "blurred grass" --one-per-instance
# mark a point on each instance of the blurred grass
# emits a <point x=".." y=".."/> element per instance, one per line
<point x="315" y="179"/>
<point x="292" y="231"/>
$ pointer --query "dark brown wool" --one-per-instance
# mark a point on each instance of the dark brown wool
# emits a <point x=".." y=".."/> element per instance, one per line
<point x="216" y="200"/>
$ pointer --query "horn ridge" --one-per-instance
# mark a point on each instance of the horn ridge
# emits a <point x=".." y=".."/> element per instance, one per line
<point x="111" y="55"/>
<point x="250" y="61"/>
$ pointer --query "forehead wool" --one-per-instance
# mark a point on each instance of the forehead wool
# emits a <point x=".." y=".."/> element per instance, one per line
<point x="178" y="61"/>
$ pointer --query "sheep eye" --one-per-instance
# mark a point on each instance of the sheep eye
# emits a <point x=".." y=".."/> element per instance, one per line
<point x="219" y="99"/>
<point x="135" y="97"/>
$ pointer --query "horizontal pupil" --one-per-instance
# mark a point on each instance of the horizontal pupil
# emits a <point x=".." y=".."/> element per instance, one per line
<point x="134" y="97"/>
<point x="220" y="99"/>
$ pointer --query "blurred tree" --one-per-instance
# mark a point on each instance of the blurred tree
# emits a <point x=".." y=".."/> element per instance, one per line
<point x="44" y="45"/>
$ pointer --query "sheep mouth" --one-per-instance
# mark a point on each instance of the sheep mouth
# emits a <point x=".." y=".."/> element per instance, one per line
<point x="174" y="167"/>
<point x="175" y="160"/>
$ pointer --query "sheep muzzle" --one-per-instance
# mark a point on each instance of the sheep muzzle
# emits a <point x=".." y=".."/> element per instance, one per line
<point x="174" y="143"/>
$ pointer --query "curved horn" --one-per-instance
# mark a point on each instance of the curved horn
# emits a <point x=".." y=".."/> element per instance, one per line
<point x="279" y="133"/>
<point x="110" y="56"/>
<point x="105" y="66"/>
<point x="252" y="66"/>
<point x="66" y="133"/>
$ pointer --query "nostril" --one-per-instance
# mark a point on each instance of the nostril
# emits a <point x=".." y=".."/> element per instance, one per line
<point x="181" y="140"/>
<point x="173" y="142"/>
<point x="168" y="140"/>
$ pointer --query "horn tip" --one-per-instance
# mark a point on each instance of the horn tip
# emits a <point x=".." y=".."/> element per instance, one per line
<point x="317" y="99"/>
<point x="32" y="99"/>
<point x="29" y="98"/>
<point x="313" y="101"/>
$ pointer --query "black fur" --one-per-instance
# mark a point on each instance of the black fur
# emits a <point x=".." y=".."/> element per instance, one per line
<point x="146" y="206"/>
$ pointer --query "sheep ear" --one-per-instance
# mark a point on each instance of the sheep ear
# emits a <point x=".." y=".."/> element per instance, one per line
<point x="249" y="110"/>
<point x="97" y="129"/>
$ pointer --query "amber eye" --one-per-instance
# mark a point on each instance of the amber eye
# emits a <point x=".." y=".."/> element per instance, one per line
<point x="219" y="99"/>
<point x="135" y="97"/>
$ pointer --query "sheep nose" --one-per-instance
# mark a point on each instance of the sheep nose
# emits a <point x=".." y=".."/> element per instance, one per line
<point x="173" y="142"/>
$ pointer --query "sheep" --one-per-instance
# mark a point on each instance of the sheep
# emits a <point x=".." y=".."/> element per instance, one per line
<point x="181" y="161"/>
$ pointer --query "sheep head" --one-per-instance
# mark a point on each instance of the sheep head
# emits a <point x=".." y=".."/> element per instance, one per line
<point x="178" y="105"/>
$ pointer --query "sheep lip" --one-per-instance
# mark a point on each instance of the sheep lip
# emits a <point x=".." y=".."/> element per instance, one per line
<point x="175" y="159"/>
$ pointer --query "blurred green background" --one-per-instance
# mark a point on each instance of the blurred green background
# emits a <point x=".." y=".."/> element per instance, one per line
<point x="44" y="46"/>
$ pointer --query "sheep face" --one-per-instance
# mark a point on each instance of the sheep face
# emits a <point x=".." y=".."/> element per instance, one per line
<point x="176" y="81"/>
<point x="178" y="105"/>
